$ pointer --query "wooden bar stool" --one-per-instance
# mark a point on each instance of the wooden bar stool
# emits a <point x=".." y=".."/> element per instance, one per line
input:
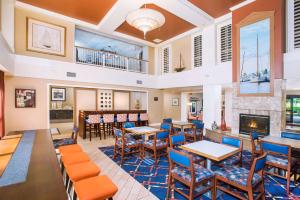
<point x="95" y="188"/>
<point x="121" y="119"/>
<point x="133" y="117"/>
<point x="77" y="172"/>
<point x="93" y="125"/>
<point x="108" y="120"/>
<point x="144" y="119"/>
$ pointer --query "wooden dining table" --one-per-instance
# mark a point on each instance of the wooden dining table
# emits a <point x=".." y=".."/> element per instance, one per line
<point x="212" y="151"/>
<point x="182" y="125"/>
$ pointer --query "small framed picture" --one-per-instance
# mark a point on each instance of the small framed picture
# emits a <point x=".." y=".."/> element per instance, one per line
<point x="46" y="38"/>
<point x="58" y="94"/>
<point x="175" y="102"/>
<point x="25" y="98"/>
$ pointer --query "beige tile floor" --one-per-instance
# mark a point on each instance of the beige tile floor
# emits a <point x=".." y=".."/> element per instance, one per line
<point x="129" y="188"/>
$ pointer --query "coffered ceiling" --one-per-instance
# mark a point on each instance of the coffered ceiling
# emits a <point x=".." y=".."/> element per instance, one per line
<point x="108" y="16"/>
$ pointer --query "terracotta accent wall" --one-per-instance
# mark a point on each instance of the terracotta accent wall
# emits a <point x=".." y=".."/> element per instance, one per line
<point x="279" y="40"/>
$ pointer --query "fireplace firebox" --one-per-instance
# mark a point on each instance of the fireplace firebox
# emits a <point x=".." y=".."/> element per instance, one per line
<point x="257" y="123"/>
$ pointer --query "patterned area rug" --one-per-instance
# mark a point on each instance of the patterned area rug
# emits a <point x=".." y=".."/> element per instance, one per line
<point x="154" y="178"/>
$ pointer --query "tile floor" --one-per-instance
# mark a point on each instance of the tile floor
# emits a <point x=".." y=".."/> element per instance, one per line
<point x="129" y="188"/>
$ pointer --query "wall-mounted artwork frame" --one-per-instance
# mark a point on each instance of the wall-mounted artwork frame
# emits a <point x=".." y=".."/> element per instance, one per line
<point x="175" y="101"/>
<point x="43" y="37"/>
<point x="255" y="54"/>
<point x="58" y="94"/>
<point x="25" y="98"/>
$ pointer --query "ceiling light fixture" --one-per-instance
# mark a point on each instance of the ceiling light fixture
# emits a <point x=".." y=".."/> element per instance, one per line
<point x="145" y="19"/>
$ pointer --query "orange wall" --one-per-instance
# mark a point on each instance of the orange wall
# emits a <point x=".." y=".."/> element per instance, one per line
<point x="258" y="6"/>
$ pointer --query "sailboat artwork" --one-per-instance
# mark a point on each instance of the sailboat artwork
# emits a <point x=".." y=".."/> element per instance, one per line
<point x="45" y="38"/>
<point x="255" y="68"/>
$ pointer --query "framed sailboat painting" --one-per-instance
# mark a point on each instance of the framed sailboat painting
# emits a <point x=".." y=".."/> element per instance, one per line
<point x="46" y="38"/>
<point x="256" y="55"/>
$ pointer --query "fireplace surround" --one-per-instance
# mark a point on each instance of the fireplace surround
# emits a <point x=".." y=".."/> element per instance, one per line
<point x="257" y="123"/>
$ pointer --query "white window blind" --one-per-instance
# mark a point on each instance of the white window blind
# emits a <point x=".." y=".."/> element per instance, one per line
<point x="297" y="23"/>
<point x="198" y="51"/>
<point x="166" y="60"/>
<point x="226" y="49"/>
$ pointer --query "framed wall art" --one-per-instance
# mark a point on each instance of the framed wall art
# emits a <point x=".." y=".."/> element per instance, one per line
<point x="255" y="54"/>
<point x="46" y="38"/>
<point x="25" y="98"/>
<point x="58" y="94"/>
<point x="175" y="102"/>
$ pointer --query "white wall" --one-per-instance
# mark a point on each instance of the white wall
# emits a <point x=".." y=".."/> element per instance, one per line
<point x="212" y="104"/>
<point x="184" y="101"/>
<point x="6" y="56"/>
<point x="228" y="106"/>
<point x="292" y="70"/>
<point x="7" y="21"/>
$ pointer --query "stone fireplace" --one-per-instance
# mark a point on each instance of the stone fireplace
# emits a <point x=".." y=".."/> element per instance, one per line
<point x="272" y="106"/>
<point x="257" y="123"/>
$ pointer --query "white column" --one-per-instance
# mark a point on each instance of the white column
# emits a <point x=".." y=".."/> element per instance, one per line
<point x="8" y="21"/>
<point x="212" y="104"/>
<point x="184" y="101"/>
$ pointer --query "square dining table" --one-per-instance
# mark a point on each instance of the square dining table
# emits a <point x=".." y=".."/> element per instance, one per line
<point x="144" y="131"/>
<point x="182" y="125"/>
<point x="210" y="150"/>
<point x="286" y="141"/>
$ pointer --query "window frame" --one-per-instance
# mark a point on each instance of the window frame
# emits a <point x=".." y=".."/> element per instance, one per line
<point x="218" y="27"/>
<point x="193" y="49"/>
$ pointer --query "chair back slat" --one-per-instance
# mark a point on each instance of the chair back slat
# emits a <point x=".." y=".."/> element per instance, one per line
<point x="94" y="119"/>
<point x="121" y="117"/>
<point x="179" y="158"/>
<point x="259" y="163"/>
<point x="128" y="125"/>
<point x="235" y="142"/>
<point x="108" y="118"/>
<point x="290" y="135"/>
<point x="132" y="117"/>
<point x="254" y="135"/>
<point x="144" y="117"/>
<point x="168" y="120"/>
<point x="162" y="135"/>
<point x="166" y="126"/>
<point x="176" y="140"/>
<point x="276" y="148"/>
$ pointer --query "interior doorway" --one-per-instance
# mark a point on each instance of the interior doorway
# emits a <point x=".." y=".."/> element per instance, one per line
<point x="293" y="110"/>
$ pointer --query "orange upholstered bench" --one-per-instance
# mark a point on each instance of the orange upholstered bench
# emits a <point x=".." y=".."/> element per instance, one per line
<point x="74" y="158"/>
<point x="68" y="149"/>
<point x="95" y="188"/>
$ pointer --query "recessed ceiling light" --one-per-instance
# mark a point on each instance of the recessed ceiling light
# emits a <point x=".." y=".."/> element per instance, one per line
<point x="157" y="40"/>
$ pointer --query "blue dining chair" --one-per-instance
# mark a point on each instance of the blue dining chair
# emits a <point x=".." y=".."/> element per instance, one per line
<point x="255" y="145"/>
<point x="279" y="157"/>
<point x="168" y="120"/>
<point x="290" y="135"/>
<point x="229" y="179"/>
<point x="196" y="132"/>
<point x="237" y="158"/>
<point x="183" y="170"/>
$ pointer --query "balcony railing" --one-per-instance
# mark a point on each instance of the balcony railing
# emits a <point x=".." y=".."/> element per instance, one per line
<point x="110" y="60"/>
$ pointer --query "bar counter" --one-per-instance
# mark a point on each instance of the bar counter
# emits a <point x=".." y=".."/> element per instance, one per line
<point x="44" y="180"/>
<point x="83" y="115"/>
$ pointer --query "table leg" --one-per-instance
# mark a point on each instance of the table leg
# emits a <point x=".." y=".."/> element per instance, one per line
<point x="182" y="129"/>
<point x="142" y="148"/>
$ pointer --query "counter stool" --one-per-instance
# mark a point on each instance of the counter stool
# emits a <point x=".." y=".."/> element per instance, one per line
<point x="73" y="158"/>
<point x="144" y="119"/>
<point x="121" y="119"/>
<point x="93" y="125"/>
<point x="108" y="121"/>
<point x="133" y="117"/>
<point x="69" y="149"/>
<point x="99" y="187"/>
<point x="77" y="172"/>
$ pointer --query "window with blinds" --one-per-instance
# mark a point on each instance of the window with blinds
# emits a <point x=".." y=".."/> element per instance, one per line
<point x="198" y="51"/>
<point x="297" y="23"/>
<point x="226" y="50"/>
<point x="166" y="60"/>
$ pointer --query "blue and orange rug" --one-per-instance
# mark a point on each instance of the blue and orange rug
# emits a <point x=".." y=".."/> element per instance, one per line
<point x="154" y="178"/>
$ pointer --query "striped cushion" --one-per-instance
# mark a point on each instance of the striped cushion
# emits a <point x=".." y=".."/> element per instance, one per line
<point x="238" y="175"/>
<point x="201" y="173"/>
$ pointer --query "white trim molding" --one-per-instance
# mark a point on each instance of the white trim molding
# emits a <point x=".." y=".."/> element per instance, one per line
<point x="233" y="8"/>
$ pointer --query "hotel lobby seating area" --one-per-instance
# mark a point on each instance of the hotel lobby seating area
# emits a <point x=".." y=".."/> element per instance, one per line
<point x="149" y="100"/>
